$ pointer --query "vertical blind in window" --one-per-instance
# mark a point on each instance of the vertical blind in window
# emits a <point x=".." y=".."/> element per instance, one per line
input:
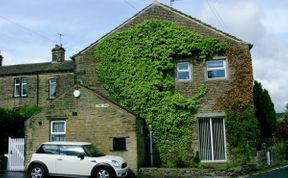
<point x="212" y="139"/>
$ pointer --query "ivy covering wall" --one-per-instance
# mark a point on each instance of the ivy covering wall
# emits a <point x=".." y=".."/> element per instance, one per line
<point x="137" y="68"/>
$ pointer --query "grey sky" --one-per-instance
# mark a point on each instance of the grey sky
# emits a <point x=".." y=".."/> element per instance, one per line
<point x="29" y="28"/>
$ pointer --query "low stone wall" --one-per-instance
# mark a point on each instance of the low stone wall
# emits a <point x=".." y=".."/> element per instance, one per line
<point x="195" y="173"/>
<point x="277" y="154"/>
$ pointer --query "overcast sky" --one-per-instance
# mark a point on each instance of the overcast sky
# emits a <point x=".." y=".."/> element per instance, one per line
<point x="29" y="30"/>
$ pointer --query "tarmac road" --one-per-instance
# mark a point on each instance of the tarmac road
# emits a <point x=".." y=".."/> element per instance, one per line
<point x="7" y="174"/>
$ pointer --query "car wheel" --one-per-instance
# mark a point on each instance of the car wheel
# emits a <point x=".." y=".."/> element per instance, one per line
<point x="103" y="172"/>
<point x="37" y="171"/>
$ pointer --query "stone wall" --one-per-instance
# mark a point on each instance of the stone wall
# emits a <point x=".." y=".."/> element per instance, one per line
<point x="221" y="94"/>
<point x="87" y="122"/>
<point x="37" y="89"/>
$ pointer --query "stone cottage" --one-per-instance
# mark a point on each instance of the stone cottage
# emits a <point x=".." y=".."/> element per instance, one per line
<point x="74" y="101"/>
<point x="223" y="75"/>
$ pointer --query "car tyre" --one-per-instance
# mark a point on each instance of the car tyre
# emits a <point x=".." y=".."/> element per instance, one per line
<point x="37" y="171"/>
<point x="103" y="172"/>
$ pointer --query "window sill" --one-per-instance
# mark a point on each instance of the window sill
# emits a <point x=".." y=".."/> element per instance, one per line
<point x="118" y="150"/>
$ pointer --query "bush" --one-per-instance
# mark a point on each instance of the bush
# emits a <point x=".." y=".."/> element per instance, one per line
<point x="282" y="129"/>
<point x="12" y="124"/>
<point x="242" y="132"/>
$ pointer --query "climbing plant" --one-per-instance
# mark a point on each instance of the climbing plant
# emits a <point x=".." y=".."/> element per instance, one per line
<point x="137" y="68"/>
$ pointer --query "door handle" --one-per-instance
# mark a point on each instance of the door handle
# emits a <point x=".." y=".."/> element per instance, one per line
<point x="59" y="159"/>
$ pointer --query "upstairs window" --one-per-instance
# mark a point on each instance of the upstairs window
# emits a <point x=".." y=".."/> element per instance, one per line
<point x="52" y="88"/>
<point x="20" y="87"/>
<point x="183" y="71"/>
<point x="216" y="69"/>
<point x="58" y="131"/>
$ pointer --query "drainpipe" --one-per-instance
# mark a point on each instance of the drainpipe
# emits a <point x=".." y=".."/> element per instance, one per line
<point x="151" y="145"/>
<point x="37" y="90"/>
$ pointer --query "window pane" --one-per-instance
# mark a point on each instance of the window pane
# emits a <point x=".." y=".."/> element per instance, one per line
<point x="215" y="64"/>
<point x="183" y="66"/>
<point x="58" y="127"/>
<point x="52" y="88"/>
<point x="218" y="139"/>
<point x="205" y="152"/>
<point x="183" y="76"/>
<point x="24" y="89"/>
<point x="58" y="137"/>
<point x="212" y="142"/>
<point x="17" y="90"/>
<point x="216" y="73"/>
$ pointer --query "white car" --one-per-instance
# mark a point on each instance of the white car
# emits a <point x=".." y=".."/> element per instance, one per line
<point x="74" y="159"/>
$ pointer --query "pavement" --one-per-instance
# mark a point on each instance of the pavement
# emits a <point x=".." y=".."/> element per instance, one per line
<point x="7" y="174"/>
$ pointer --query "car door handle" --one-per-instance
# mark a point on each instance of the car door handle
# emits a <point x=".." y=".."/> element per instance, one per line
<point x="93" y="161"/>
<point x="59" y="159"/>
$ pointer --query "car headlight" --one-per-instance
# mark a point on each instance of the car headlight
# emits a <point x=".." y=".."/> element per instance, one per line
<point x="115" y="163"/>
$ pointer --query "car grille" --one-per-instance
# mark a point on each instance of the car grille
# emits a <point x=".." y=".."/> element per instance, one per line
<point x="124" y="165"/>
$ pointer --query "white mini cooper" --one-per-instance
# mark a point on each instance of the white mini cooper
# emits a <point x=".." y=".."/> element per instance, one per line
<point x="74" y="159"/>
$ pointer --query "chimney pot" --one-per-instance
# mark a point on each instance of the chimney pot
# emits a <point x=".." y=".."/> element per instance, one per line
<point x="58" y="54"/>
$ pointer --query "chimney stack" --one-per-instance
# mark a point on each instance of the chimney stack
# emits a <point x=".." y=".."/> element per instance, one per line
<point x="1" y="59"/>
<point x="58" y="54"/>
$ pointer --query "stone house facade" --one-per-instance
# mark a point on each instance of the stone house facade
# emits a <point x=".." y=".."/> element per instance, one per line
<point x="94" y="116"/>
<point x="227" y="77"/>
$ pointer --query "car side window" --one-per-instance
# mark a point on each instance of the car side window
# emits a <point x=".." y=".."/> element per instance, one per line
<point x="48" y="149"/>
<point x="71" y="150"/>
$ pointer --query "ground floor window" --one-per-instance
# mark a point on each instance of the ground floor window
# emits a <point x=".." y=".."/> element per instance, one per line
<point x="212" y="139"/>
<point x="57" y="131"/>
<point x="119" y="144"/>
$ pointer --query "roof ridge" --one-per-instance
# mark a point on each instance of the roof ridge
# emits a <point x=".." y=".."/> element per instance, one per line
<point x="154" y="3"/>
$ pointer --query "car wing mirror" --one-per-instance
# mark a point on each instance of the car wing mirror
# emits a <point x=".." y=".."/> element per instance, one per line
<point x="81" y="156"/>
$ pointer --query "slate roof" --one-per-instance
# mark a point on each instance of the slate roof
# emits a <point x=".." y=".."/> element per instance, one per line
<point x="37" y="68"/>
<point x="155" y="3"/>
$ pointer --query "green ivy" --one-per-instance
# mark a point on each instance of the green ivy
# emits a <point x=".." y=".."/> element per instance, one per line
<point x="242" y="133"/>
<point x="137" y="68"/>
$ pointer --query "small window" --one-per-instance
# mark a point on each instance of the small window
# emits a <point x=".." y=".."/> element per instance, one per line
<point x="119" y="144"/>
<point x="52" y="88"/>
<point x="216" y="69"/>
<point x="183" y="71"/>
<point x="20" y="87"/>
<point x="58" y="131"/>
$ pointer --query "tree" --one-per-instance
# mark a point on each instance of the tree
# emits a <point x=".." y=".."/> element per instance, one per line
<point x="12" y="124"/>
<point x="282" y="126"/>
<point x="264" y="110"/>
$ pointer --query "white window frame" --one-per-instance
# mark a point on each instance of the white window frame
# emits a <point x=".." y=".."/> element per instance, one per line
<point x="212" y="141"/>
<point x="57" y="133"/>
<point x="21" y="84"/>
<point x="17" y="85"/>
<point x="24" y="85"/>
<point x="216" y="68"/>
<point x="52" y="82"/>
<point x="184" y="70"/>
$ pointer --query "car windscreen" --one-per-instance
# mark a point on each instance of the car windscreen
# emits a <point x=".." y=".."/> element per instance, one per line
<point x="91" y="151"/>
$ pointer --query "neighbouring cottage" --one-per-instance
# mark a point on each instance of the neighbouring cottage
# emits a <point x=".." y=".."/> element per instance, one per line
<point x="77" y="107"/>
